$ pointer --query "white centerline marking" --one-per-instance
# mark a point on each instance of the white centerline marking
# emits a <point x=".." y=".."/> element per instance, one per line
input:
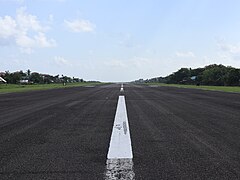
<point x="120" y="156"/>
<point x="121" y="90"/>
<point x="120" y="144"/>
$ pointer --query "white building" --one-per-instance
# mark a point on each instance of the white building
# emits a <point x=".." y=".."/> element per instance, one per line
<point x="3" y="80"/>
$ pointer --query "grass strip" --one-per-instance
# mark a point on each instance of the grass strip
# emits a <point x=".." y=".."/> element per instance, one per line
<point x="235" y="89"/>
<point x="9" y="88"/>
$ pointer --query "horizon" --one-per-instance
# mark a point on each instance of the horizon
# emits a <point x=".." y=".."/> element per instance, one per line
<point x="112" y="81"/>
<point x="117" y="41"/>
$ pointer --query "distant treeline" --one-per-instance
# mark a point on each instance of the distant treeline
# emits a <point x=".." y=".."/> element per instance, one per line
<point x="29" y="77"/>
<point x="215" y="75"/>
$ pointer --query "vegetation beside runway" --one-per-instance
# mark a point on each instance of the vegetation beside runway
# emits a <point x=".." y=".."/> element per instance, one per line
<point x="211" y="75"/>
<point x="235" y="89"/>
<point x="9" y="88"/>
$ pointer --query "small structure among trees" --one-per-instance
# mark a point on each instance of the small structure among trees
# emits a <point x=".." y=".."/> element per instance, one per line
<point x="2" y="80"/>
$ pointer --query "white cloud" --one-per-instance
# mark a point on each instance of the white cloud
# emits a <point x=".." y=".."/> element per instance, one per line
<point x="23" y="1"/>
<point x="130" y="68"/>
<point x="134" y="62"/>
<point x="50" y="18"/>
<point x="42" y="41"/>
<point x="220" y="58"/>
<point x="28" y="22"/>
<point x="7" y="27"/>
<point x="140" y="62"/>
<point x="230" y="51"/>
<point x="24" y="41"/>
<point x="80" y="25"/>
<point x="25" y="30"/>
<point x="61" y="61"/>
<point x="26" y="50"/>
<point x="229" y="48"/>
<point x="188" y="54"/>
<point x="115" y="63"/>
<point x="14" y="1"/>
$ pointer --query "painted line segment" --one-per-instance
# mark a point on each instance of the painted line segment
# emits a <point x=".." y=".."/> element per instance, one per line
<point x="120" y="144"/>
<point x="119" y="163"/>
<point x="121" y="90"/>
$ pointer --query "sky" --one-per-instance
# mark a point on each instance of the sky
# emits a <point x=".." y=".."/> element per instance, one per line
<point x="117" y="40"/>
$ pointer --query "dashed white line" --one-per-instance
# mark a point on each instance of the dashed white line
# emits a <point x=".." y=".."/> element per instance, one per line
<point x="120" y="144"/>
<point x="121" y="90"/>
<point x="119" y="157"/>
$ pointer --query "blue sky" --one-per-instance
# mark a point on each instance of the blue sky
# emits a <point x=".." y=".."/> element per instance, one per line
<point x="117" y="40"/>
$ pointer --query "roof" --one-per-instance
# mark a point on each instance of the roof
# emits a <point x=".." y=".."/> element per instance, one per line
<point x="2" y="80"/>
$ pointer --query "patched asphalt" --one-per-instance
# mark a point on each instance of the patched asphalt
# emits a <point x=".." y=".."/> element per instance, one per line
<point x="176" y="133"/>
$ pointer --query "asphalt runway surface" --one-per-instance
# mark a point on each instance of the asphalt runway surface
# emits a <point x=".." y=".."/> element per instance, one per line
<point x="65" y="133"/>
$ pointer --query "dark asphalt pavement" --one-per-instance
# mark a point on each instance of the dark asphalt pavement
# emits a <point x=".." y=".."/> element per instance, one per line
<point x="65" y="133"/>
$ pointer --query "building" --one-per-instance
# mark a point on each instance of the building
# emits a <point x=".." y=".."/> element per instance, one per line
<point x="2" y="80"/>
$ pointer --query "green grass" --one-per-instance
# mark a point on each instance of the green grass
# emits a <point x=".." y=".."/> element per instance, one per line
<point x="235" y="89"/>
<point x="9" y="88"/>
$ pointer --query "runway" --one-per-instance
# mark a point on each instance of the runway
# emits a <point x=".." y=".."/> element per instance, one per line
<point x="176" y="133"/>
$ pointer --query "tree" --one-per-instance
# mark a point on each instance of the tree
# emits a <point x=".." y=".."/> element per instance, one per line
<point x="232" y="77"/>
<point x="13" y="78"/>
<point x="179" y="76"/>
<point x="217" y="75"/>
<point x="36" y="78"/>
<point x="214" y="75"/>
<point x="28" y="72"/>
